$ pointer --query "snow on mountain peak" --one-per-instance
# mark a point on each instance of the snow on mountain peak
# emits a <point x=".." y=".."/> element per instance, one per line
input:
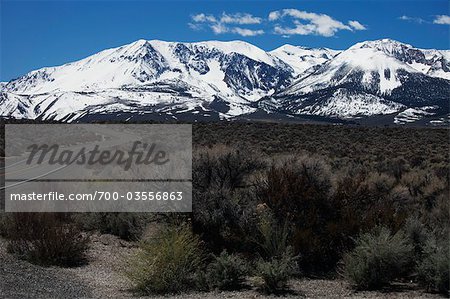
<point x="239" y="47"/>
<point x="381" y="44"/>
<point x="364" y="65"/>
<point x="136" y="63"/>
<point x="387" y="46"/>
<point x="432" y="62"/>
<point x="232" y="78"/>
<point x="369" y="59"/>
<point x="303" y="58"/>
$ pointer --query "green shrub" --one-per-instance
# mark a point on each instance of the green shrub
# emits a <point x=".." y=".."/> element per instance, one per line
<point x="46" y="239"/>
<point x="433" y="269"/>
<point x="439" y="216"/>
<point x="275" y="273"/>
<point x="215" y="216"/>
<point x="417" y="235"/>
<point x="378" y="258"/>
<point x="273" y="238"/>
<point x="167" y="263"/>
<point x="227" y="272"/>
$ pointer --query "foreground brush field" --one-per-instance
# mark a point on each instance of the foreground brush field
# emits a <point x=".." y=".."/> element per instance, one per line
<point x="279" y="209"/>
<point x="102" y="278"/>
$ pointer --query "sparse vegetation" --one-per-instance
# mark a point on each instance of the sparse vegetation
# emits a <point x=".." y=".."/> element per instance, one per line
<point x="290" y="199"/>
<point x="434" y="268"/>
<point x="166" y="263"/>
<point x="275" y="273"/>
<point x="227" y="272"/>
<point x="46" y="239"/>
<point x="272" y="238"/>
<point x="378" y="258"/>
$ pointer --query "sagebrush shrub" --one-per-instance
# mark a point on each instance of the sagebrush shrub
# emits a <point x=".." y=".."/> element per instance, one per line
<point x="223" y="167"/>
<point x="433" y="270"/>
<point x="273" y="238"/>
<point x="439" y="216"/>
<point x="362" y="201"/>
<point x="167" y="263"/>
<point x="46" y="239"/>
<point x="288" y="188"/>
<point x="418" y="235"/>
<point x="223" y="207"/>
<point x="397" y="167"/>
<point x="275" y="273"/>
<point x="227" y="271"/>
<point x="299" y="192"/>
<point x="221" y="218"/>
<point x="378" y="258"/>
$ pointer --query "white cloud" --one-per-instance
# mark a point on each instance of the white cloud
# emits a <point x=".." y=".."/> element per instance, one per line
<point x="412" y="19"/>
<point x="442" y="20"/>
<point x="239" y="18"/>
<point x="308" y="23"/>
<point x="357" y="25"/>
<point x="303" y="23"/>
<point x="439" y="19"/>
<point x="224" y="23"/>
<point x="274" y="15"/>
<point x="247" y="32"/>
<point x="195" y="26"/>
<point x="219" y="28"/>
<point x="202" y="18"/>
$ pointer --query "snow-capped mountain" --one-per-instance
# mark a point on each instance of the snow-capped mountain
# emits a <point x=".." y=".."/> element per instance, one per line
<point x="430" y="62"/>
<point x="369" y="78"/>
<point x="148" y="74"/>
<point x="301" y="58"/>
<point x="151" y="61"/>
<point x="225" y="80"/>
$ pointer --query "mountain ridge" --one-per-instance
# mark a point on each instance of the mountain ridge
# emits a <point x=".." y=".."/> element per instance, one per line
<point x="227" y="80"/>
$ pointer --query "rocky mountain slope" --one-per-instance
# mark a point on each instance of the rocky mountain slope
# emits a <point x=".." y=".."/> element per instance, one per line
<point x="228" y="80"/>
<point x="370" y="78"/>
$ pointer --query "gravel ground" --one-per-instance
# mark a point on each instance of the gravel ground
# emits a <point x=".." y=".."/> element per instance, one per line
<point x="20" y="279"/>
<point x="103" y="278"/>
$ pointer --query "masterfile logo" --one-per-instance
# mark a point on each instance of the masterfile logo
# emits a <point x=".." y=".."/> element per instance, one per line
<point x="98" y="168"/>
<point x="140" y="154"/>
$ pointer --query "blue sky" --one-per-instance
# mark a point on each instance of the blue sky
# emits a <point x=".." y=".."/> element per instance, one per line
<point x="35" y="34"/>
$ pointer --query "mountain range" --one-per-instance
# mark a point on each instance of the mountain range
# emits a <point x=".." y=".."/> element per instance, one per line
<point x="381" y="81"/>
